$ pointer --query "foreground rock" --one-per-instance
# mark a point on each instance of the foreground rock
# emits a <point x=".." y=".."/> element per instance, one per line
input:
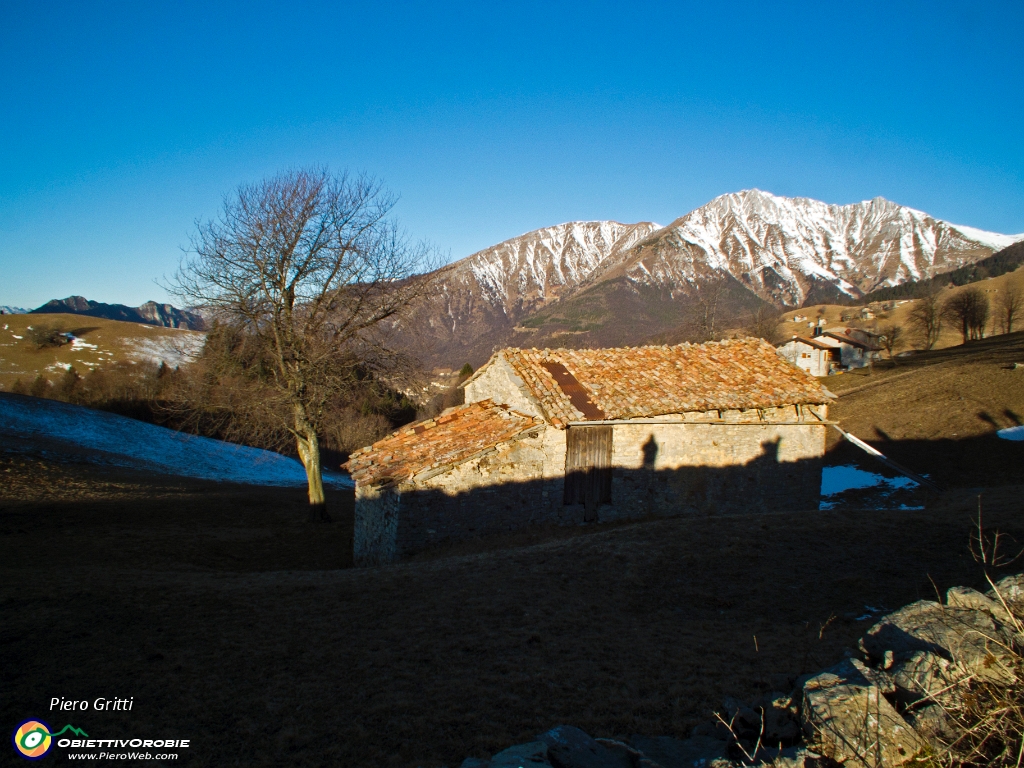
<point x="849" y="720"/>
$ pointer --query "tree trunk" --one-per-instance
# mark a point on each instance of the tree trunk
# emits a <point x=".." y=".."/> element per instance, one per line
<point x="309" y="452"/>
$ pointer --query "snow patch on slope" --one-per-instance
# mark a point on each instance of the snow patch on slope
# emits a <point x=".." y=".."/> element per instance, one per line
<point x="105" y="438"/>
<point x="173" y="351"/>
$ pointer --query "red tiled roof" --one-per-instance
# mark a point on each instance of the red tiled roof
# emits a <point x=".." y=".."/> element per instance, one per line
<point x="636" y="382"/>
<point x="812" y="342"/>
<point x="435" y="443"/>
<point x="850" y="339"/>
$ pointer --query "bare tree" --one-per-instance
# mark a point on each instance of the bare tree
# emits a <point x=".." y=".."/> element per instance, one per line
<point x="925" y="318"/>
<point x="968" y="309"/>
<point x="890" y="337"/>
<point x="763" y="323"/>
<point x="312" y="270"/>
<point x="1009" y="305"/>
<point x="706" y="308"/>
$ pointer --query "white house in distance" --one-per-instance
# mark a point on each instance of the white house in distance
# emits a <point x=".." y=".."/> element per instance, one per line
<point x="832" y="350"/>
<point x="815" y="355"/>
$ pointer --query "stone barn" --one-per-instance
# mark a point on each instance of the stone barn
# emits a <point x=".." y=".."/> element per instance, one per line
<point x="564" y="436"/>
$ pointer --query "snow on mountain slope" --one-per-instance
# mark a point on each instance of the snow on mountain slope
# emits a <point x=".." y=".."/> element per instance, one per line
<point x="104" y="438"/>
<point x="994" y="241"/>
<point x="542" y="265"/>
<point x="788" y="251"/>
<point x="478" y="299"/>
<point x="778" y="246"/>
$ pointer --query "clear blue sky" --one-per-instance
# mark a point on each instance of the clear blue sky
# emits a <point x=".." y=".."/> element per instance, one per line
<point x="121" y="124"/>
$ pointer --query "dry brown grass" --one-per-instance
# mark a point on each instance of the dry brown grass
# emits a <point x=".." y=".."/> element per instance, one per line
<point x="115" y="342"/>
<point x="235" y="623"/>
<point x="949" y="337"/>
<point x="231" y="620"/>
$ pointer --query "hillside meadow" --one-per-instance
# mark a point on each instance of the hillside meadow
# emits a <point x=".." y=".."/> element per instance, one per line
<point x="899" y="315"/>
<point x="98" y="342"/>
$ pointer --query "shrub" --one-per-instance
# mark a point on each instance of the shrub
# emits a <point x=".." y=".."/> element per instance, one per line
<point x="43" y="336"/>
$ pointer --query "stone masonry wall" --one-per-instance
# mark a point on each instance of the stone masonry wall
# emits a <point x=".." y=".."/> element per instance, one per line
<point x="500" y="383"/>
<point x="658" y="469"/>
<point x="671" y="469"/>
<point x="375" y="534"/>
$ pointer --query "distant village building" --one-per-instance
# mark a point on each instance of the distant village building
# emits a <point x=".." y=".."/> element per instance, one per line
<point x="832" y="350"/>
<point x="563" y="436"/>
<point x="858" y="348"/>
<point x="814" y="355"/>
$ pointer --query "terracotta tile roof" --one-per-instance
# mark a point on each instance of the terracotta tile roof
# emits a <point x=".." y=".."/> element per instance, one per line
<point x="635" y="382"/>
<point x="812" y="342"/>
<point x="436" y="443"/>
<point x="848" y="338"/>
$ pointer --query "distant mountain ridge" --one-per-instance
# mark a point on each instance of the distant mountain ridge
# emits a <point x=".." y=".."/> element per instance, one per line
<point x="149" y="313"/>
<point x="6" y="310"/>
<point x="781" y="247"/>
<point x="606" y="283"/>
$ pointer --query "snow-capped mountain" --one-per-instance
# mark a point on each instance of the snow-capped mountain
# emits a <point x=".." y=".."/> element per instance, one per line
<point x="544" y="265"/>
<point x="778" y="247"/>
<point x="602" y="282"/>
<point x="4" y="309"/>
<point x="478" y="299"/>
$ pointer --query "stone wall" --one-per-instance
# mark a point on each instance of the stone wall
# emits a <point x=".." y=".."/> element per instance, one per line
<point x="661" y="469"/>
<point x="375" y="531"/>
<point x="499" y="382"/>
<point x="671" y="469"/>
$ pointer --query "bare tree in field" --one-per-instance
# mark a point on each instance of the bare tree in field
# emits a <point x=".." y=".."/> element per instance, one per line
<point x="1010" y="305"/>
<point x="890" y="336"/>
<point x="968" y="309"/>
<point x="310" y="269"/>
<point x="763" y="323"/>
<point x="925" y="319"/>
<point x="705" y="310"/>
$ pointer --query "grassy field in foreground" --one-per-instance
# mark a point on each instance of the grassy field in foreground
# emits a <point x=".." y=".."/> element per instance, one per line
<point x="233" y="622"/>
<point x="100" y="342"/>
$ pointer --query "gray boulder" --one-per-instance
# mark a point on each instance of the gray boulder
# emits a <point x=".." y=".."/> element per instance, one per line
<point x="696" y="752"/>
<point x="969" y="638"/>
<point x="847" y="719"/>
<point x="781" y="724"/>
<point x="965" y="597"/>
<point x="1011" y="589"/>
<point x="569" y="747"/>
<point x="531" y="755"/>
<point x="924" y="675"/>
<point x="790" y="757"/>
<point x="932" y="723"/>
<point x="629" y="755"/>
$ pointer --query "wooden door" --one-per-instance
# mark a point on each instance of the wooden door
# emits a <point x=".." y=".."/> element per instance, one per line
<point x="588" y="468"/>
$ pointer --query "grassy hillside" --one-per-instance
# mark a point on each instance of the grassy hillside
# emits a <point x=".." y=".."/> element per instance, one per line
<point x="899" y="314"/>
<point x="937" y="412"/>
<point x="98" y="342"/>
<point x="235" y="623"/>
